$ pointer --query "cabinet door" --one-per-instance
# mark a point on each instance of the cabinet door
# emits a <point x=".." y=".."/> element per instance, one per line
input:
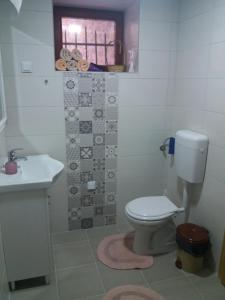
<point x="24" y="218"/>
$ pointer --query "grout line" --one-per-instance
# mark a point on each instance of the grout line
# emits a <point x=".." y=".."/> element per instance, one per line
<point x="55" y="274"/>
<point x="100" y="277"/>
<point x="75" y="243"/>
<point x="67" y="243"/>
<point x="96" y="265"/>
<point x="145" y="280"/>
<point x="86" y="234"/>
<point x="90" y="297"/>
<point x="167" y="279"/>
<point x="75" y="267"/>
<point x="192" y="284"/>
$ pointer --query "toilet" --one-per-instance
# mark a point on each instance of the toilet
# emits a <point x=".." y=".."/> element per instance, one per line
<point x="152" y="217"/>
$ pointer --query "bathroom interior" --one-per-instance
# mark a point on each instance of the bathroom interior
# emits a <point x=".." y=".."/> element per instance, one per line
<point x="112" y="117"/>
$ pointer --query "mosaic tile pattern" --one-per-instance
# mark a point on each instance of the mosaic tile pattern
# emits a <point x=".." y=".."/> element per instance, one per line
<point x="91" y="117"/>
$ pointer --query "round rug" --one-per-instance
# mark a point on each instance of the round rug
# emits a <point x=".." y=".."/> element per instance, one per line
<point x="115" y="251"/>
<point x="132" y="292"/>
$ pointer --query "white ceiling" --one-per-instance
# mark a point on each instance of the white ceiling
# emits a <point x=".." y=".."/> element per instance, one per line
<point x="98" y="4"/>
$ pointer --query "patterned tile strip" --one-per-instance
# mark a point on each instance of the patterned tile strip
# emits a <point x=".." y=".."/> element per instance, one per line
<point x="91" y="119"/>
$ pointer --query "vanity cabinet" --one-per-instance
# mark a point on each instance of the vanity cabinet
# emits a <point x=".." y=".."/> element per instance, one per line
<point x="26" y="235"/>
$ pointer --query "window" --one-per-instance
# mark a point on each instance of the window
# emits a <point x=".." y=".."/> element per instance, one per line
<point x="97" y="34"/>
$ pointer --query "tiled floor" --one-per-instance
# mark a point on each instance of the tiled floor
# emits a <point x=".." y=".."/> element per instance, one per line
<point x="79" y="275"/>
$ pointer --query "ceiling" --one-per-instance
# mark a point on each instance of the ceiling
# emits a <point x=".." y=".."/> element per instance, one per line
<point x="97" y="4"/>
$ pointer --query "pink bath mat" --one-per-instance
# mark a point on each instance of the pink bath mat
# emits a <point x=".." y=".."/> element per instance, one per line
<point x="132" y="292"/>
<point x="115" y="251"/>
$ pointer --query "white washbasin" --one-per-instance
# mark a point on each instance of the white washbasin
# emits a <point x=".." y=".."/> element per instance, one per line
<point x="37" y="172"/>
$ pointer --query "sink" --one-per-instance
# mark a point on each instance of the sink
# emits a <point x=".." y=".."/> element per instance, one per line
<point x="37" y="172"/>
<point x="24" y="215"/>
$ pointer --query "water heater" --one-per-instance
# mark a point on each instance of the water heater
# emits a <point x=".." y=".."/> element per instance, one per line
<point x="190" y="155"/>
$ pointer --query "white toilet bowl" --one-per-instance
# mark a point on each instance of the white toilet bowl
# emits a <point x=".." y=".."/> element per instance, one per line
<point x="152" y="220"/>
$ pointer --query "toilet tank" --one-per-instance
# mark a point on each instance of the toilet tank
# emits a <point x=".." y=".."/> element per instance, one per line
<point x="191" y="155"/>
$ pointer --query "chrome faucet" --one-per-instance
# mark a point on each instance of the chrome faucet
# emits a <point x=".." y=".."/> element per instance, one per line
<point x="12" y="155"/>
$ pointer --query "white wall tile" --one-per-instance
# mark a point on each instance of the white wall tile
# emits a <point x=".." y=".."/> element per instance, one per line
<point x="215" y="95"/>
<point x="193" y="62"/>
<point x="139" y="166"/>
<point x="217" y="60"/>
<point x="213" y="126"/>
<point x="183" y="118"/>
<point x="152" y="118"/>
<point x="42" y="58"/>
<point x="195" y="32"/>
<point x="171" y="93"/>
<point x="25" y="28"/>
<point x="54" y="145"/>
<point x="193" y="8"/>
<point x="219" y="2"/>
<point x="219" y="24"/>
<point x="3" y="149"/>
<point x="190" y="93"/>
<point x="154" y="63"/>
<point x="7" y="10"/>
<point x="40" y="5"/>
<point x="216" y="163"/>
<point x="33" y="91"/>
<point x="159" y="10"/>
<point x="173" y="65"/>
<point x="141" y="141"/>
<point x="155" y="35"/>
<point x="174" y="36"/>
<point x="35" y="121"/>
<point x="143" y="92"/>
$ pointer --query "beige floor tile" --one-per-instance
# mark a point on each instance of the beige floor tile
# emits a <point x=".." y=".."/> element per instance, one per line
<point x="176" y="289"/>
<point x="125" y="228"/>
<point x="98" y="233"/>
<point x="113" y="278"/>
<point x="94" y="245"/>
<point x="69" y="236"/>
<point x="73" y="254"/>
<point x="80" y="282"/>
<point x="163" y="268"/>
<point x="209" y="287"/>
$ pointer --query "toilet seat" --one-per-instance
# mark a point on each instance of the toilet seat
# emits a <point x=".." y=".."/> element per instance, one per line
<point x="151" y="208"/>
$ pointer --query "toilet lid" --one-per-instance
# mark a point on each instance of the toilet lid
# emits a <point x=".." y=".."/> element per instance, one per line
<point x="151" y="208"/>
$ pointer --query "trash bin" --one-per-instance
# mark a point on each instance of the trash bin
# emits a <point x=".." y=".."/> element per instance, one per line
<point x="192" y="245"/>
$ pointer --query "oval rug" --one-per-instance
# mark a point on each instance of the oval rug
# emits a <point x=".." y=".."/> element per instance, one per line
<point x="115" y="251"/>
<point x="132" y="292"/>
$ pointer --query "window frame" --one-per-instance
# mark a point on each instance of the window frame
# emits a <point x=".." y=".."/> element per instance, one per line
<point x="85" y="13"/>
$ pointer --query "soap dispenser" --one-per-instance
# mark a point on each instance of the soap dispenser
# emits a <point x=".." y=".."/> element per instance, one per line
<point x="11" y="164"/>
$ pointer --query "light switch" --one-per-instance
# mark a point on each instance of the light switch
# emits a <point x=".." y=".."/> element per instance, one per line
<point x="26" y="66"/>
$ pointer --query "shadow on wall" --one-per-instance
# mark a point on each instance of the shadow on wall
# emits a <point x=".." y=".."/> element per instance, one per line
<point x="194" y="192"/>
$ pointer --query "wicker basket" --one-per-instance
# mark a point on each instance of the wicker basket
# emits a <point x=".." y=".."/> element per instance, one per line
<point x="116" y="68"/>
